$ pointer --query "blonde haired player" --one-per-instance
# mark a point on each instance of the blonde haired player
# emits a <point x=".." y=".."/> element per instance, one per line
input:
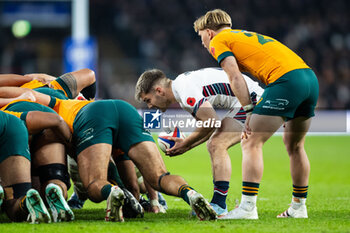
<point x="290" y="96"/>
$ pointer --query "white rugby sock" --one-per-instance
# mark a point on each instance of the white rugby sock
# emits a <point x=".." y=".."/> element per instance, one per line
<point x="248" y="202"/>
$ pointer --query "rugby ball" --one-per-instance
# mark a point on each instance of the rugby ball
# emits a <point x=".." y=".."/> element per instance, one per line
<point x="163" y="139"/>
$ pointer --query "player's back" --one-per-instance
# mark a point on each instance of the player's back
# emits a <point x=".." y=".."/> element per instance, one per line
<point x="33" y="84"/>
<point x="212" y="75"/>
<point x="211" y="84"/>
<point x="26" y="106"/>
<point x="264" y="57"/>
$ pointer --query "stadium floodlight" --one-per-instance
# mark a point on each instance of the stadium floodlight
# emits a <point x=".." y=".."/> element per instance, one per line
<point x="21" y="28"/>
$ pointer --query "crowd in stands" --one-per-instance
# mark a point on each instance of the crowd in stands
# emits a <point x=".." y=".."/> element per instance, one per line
<point x="135" y="35"/>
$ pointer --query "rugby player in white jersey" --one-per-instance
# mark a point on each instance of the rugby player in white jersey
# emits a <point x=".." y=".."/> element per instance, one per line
<point x="200" y="93"/>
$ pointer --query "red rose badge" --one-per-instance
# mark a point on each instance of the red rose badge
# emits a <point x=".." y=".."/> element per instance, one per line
<point x="191" y="101"/>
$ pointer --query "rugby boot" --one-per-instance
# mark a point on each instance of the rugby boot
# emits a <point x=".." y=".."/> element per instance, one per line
<point x="37" y="210"/>
<point x="296" y="210"/>
<point x="201" y="206"/>
<point x="115" y="202"/>
<point x="60" y="209"/>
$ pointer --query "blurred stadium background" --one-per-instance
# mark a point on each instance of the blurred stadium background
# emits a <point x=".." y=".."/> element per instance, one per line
<point x="133" y="35"/>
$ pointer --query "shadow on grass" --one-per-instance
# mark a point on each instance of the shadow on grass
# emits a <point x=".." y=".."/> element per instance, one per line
<point x="99" y="214"/>
<point x="4" y="218"/>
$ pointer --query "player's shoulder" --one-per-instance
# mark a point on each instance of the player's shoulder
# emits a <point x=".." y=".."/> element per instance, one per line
<point x="208" y="71"/>
<point x="200" y="77"/>
<point x="179" y="81"/>
<point x="185" y="78"/>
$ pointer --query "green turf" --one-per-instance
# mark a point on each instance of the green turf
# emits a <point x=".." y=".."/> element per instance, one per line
<point x="328" y="200"/>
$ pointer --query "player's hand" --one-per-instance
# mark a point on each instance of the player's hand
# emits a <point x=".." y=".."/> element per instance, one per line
<point x="44" y="78"/>
<point x="247" y="130"/>
<point x="156" y="207"/>
<point x="28" y="95"/>
<point x="179" y="148"/>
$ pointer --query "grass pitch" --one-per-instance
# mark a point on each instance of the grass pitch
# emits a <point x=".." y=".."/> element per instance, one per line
<point x="328" y="200"/>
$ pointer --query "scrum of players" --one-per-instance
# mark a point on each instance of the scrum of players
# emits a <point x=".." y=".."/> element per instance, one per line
<point x="59" y="125"/>
<point x="53" y="131"/>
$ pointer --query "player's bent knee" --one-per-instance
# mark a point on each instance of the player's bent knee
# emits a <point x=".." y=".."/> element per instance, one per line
<point x="55" y="171"/>
<point x="294" y="148"/>
<point x="94" y="190"/>
<point x="214" y="146"/>
<point x="250" y="144"/>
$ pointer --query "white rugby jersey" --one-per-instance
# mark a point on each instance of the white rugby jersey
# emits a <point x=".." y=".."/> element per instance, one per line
<point x="192" y="89"/>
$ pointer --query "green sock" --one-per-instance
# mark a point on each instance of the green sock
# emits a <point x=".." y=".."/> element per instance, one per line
<point x="183" y="190"/>
<point x="113" y="175"/>
<point x="105" y="191"/>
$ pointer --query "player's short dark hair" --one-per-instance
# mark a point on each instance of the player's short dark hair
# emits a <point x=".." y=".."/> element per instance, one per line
<point x="147" y="80"/>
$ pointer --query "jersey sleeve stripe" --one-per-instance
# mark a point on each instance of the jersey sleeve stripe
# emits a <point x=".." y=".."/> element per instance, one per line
<point x="226" y="91"/>
<point x="205" y="92"/>
<point x="211" y="90"/>
<point x="217" y="88"/>
<point x="230" y="90"/>
<point x="196" y="107"/>
<point x="224" y="55"/>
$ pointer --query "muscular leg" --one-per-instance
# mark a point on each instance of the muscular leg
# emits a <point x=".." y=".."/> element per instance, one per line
<point x="147" y="158"/>
<point x="126" y="169"/>
<point x="15" y="170"/>
<point x="48" y="151"/>
<point x="294" y="139"/>
<point x="228" y="135"/>
<point x="153" y="167"/>
<point x="49" y="162"/>
<point x="93" y="166"/>
<point x="263" y="127"/>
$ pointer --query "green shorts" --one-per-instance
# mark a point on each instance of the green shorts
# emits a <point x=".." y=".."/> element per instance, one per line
<point x="52" y="92"/>
<point x="114" y="122"/>
<point x="13" y="137"/>
<point x="293" y="95"/>
<point x="25" y="106"/>
<point x="122" y="157"/>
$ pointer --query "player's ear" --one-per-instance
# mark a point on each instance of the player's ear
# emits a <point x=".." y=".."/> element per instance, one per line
<point x="210" y="33"/>
<point x="159" y="90"/>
